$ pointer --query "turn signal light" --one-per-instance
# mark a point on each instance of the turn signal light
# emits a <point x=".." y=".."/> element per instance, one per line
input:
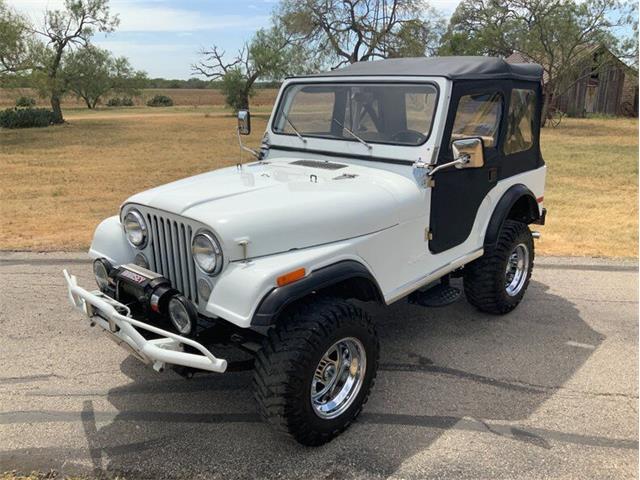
<point x="290" y="277"/>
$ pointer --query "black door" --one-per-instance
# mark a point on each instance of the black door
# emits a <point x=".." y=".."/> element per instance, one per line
<point x="476" y="111"/>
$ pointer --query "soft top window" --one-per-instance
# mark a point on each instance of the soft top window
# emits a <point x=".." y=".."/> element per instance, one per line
<point x="478" y="115"/>
<point x="399" y="114"/>
<point x="522" y="108"/>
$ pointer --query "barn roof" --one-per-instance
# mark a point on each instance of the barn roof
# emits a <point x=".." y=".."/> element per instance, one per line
<point x="454" y="68"/>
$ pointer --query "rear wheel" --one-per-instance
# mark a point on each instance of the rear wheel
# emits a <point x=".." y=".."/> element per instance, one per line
<point x="497" y="281"/>
<point x="316" y="369"/>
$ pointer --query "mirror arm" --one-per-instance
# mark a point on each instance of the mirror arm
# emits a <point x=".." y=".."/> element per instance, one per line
<point x="461" y="160"/>
<point x="246" y="149"/>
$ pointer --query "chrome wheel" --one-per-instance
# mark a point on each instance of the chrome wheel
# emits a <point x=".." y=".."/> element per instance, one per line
<point x="338" y="378"/>
<point x="517" y="269"/>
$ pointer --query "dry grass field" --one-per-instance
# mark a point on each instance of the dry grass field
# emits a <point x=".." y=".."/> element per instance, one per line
<point x="57" y="183"/>
<point x="182" y="97"/>
<point x="592" y="188"/>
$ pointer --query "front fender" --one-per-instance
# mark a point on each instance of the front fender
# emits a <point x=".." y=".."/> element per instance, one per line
<point x="278" y="299"/>
<point x="109" y="242"/>
<point x="242" y="286"/>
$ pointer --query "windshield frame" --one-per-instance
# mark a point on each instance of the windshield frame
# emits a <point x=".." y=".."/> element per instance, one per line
<point x="283" y="94"/>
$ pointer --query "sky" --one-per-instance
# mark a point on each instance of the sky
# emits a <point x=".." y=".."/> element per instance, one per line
<point x="163" y="37"/>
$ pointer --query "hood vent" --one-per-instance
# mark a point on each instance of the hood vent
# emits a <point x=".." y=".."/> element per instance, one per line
<point x="326" y="165"/>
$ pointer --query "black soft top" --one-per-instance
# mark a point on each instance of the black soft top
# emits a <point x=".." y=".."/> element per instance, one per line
<point x="453" y="68"/>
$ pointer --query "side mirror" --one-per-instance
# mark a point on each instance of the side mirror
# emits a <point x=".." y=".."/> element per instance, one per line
<point x="244" y="122"/>
<point x="470" y="151"/>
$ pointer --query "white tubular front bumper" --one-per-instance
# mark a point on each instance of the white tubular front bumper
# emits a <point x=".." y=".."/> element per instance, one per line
<point x="168" y="349"/>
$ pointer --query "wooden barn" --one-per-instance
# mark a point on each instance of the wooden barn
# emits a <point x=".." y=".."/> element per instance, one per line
<point x="603" y="84"/>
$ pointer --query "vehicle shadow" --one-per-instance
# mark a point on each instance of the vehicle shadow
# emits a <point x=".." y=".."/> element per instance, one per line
<point x="452" y="368"/>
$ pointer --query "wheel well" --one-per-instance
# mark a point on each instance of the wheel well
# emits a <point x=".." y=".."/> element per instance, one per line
<point x="524" y="210"/>
<point x="345" y="279"/>
<point x="517" y="203"/>
<point x="360" y="288"/>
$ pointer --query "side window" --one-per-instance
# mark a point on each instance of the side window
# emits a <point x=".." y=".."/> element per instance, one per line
<point x="520" y="121"/>
<point x="478" y="116"/>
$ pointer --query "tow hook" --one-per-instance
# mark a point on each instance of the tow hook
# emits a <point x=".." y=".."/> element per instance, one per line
<point x="536" y="235"/>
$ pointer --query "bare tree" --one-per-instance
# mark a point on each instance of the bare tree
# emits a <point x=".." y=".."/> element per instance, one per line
<point x="214" y="65"/>
<point x="73" y="26"/>
<point x="349" y="31"/>
<point x="270" y="55"/>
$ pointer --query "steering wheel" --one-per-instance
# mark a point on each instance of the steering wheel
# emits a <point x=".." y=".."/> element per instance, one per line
<point x="408" y="136"/>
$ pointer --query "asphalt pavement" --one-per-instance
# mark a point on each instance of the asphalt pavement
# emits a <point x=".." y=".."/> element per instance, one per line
<point x="548" y="391"/>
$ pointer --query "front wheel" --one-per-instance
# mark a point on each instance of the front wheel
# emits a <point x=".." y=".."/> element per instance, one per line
<point x="497" y="281"/>
<point x="316" y="369"/>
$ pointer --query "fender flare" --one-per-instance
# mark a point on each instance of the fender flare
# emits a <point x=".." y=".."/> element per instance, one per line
<point x="274" y="302"/>
<point x="526" y="211"/>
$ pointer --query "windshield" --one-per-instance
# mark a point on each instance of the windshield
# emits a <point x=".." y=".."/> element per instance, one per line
<point x="367" y="112"/>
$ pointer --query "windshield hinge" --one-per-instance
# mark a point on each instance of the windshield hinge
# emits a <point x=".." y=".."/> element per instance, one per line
<point x="421" y="171"/>
<point x="428" y="234"/>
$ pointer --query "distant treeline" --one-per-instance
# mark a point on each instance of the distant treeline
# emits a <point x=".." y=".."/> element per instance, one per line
<point x="24" y="81"/>
<point x="198" y="83"/>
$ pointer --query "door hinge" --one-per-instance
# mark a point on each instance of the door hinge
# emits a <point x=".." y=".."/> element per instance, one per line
<point x="428" y="234"/>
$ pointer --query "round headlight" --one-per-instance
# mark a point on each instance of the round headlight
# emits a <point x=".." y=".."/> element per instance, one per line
<point x="207" y="253"/>
<point x="182" y="314"/>
<point x="135" y="229"/>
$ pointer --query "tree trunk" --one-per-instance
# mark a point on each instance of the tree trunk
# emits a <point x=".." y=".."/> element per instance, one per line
<point x="244" y="99"/>
<point x="247" y="91"/>
<point x="57" y="110"/>
<point x="549" y="94"/>
<point x="55" y="90"/>
<point x="545" y="110"/>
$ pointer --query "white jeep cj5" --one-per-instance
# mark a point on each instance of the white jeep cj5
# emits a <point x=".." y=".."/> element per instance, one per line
<point x="376" y="182"/>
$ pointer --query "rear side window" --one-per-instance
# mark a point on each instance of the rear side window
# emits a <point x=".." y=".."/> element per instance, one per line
<point x="520" y="121"/>
<point x="478" y="116"/>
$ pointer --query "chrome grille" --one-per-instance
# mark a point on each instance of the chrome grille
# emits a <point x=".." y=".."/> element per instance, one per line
<point x="171" y="253"/>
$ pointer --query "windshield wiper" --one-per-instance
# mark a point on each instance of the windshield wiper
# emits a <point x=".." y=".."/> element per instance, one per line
<point x="354" y="135"/>
<point x="304" y="140"/>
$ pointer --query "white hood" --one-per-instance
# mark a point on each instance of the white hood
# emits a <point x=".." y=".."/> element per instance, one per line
<point x="278" y="206"/>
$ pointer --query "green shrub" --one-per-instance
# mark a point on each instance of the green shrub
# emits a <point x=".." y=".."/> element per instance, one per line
<point x="160" y="101"/>
<point x="234" y="89"/>
<point x="120" y="102"/>
<point x="25" y="102"/>
<point x="25" y="117"/>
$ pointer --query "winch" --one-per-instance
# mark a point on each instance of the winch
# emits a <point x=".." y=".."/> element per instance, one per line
<point x="149" y="291"/>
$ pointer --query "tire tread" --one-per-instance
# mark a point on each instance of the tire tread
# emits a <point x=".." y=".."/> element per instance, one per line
<point x="484" y="277"/>
<point x="292" y="342"/>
